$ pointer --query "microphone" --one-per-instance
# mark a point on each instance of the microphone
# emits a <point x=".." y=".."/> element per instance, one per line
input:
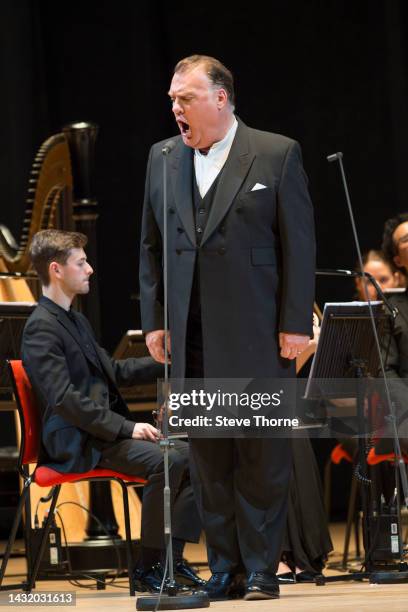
<point x="338" y="273"/>
<point x="357" y="274"/>
<point x="334" y="156"/>
<point x="168" y="147"/>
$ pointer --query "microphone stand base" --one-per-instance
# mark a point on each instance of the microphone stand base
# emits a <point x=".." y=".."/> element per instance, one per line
<point x="388" y="577"/>
<point x="189" y="601"/>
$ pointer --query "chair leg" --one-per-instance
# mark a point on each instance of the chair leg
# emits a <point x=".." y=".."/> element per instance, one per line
<point x="34" y="572"/>
<point x="357" y="532"/>
<point x="128" y="532"/>
<point x="350" y="519"/>
<point x="27" y="528"/>
<point x="13" y="533"/>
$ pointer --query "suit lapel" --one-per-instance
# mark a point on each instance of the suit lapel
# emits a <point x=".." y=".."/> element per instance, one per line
<point x="106" y="364"/>
<point x="232" y="176"/>
<point x="182" y="179"/>
<point x="73" y="330"/>
<point x="70" y="327"/>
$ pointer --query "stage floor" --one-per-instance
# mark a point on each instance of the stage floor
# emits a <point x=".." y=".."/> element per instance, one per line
<point x="353" y="597"/>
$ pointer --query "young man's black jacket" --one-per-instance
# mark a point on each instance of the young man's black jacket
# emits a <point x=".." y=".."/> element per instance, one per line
<point x="76" y="385"/>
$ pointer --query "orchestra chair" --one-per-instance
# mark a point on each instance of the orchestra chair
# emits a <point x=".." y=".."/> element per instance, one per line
<point x="374" y="459"/>
<point x="30" y="420"/>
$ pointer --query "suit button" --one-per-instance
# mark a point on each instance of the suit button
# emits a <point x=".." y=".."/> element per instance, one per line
<point x="201" y="211"/>
<point x="178" y="251"/>
<point x="180" y="230"/>
<point x="199" y="230"/>
<point x="221" y="229"/>
<point x="222" y="251"/>
<point x="171" y="211"/>
<point x="239" y="209"/>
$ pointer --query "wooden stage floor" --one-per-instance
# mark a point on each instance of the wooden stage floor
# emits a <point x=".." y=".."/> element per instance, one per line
<point x="344" y="597"/>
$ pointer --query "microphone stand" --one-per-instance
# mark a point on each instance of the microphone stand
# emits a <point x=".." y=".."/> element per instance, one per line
<point x="388" y="577"/>
<point x="171" y="600"/>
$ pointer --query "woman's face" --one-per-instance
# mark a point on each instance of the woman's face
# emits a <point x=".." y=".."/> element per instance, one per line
<point x="384" y="276"/>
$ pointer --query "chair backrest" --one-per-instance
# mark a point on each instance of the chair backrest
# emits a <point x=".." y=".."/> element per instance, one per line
<point x="30" y="418"/>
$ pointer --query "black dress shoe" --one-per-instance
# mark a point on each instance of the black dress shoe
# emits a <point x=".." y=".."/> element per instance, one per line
<point x="223" y="585"/>
<point x="286" y="578"/>
<point x="262" y="585"/>
<point x="306" y="576"/>
<point x="185" y="574"/>
<point x="151" y="580"/>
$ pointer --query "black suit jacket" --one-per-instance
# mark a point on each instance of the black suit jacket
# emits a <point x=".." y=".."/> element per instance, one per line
<point x="72" y="388"/>
<point x="256" y="258"/>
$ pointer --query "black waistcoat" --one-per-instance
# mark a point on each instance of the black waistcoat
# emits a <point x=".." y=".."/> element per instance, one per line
<point x="202" y="207"/>
<point x="194" y="340"/>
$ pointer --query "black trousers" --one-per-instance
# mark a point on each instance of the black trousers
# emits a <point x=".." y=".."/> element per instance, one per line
<point x="145" y="459"/>
<point x="241" y="487"/>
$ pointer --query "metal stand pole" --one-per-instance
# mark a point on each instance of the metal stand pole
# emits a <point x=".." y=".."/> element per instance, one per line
<point x="172" y="600"/>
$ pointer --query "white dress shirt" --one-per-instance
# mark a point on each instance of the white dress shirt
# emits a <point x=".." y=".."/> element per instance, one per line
<point x="207" y="167"/>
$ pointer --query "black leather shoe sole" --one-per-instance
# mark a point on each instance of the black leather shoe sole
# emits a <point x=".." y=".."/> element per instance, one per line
<point x="258" y="594"/>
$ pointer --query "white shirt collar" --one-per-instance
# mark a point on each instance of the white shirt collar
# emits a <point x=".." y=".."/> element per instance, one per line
<point x="207" y="167"/>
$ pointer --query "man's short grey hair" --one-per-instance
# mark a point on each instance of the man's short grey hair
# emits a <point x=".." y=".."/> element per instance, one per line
<point x="218" y="74"/>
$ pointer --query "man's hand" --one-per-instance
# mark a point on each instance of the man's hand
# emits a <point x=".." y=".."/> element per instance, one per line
<point x="145" y="431"/>
<point x="292" y="345"/>
<point x="155" y="344"/>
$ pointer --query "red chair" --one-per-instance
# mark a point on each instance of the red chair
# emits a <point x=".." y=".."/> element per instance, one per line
<point x="374" y="459"/>
<point x="43" y="476"/>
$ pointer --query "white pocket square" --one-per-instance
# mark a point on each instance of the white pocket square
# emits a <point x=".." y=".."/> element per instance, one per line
<point x="258" y="186"/>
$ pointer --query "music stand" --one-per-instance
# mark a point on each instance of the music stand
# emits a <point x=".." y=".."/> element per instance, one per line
<point x="13" y="317"/>
<point x="347" y="350"/>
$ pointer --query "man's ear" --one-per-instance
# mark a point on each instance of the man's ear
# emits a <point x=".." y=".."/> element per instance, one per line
<point x="222" y="98"/>
<point x="54" y="270"/>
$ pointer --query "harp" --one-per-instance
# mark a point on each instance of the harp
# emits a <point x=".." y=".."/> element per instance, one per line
<point x="50" y="203"/>
<point x="60" y="195"/>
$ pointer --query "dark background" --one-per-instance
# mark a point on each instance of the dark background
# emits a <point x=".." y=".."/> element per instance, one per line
<point x="331" y="73"/>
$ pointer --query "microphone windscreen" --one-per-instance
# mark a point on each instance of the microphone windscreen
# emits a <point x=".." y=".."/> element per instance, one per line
<point x="169" y="146"/>
<point x="334" y="156"/>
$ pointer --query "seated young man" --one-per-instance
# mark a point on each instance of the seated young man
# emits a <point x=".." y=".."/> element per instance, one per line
<point x="85" y="421"/>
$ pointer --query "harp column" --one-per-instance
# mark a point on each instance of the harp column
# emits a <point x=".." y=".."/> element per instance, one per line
<point x="81" y="138"/>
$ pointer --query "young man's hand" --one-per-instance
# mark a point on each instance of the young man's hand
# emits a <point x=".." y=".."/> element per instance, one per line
<point x="145" y="431"/>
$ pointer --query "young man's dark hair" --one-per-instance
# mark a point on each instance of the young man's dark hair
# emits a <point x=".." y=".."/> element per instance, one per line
<point x="53" y="245"/>
<point x="389" y="247"/>
<point x="218" y="74"/>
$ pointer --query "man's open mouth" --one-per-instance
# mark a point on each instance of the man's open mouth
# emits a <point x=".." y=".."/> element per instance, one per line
<point x="184" y="128"/>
